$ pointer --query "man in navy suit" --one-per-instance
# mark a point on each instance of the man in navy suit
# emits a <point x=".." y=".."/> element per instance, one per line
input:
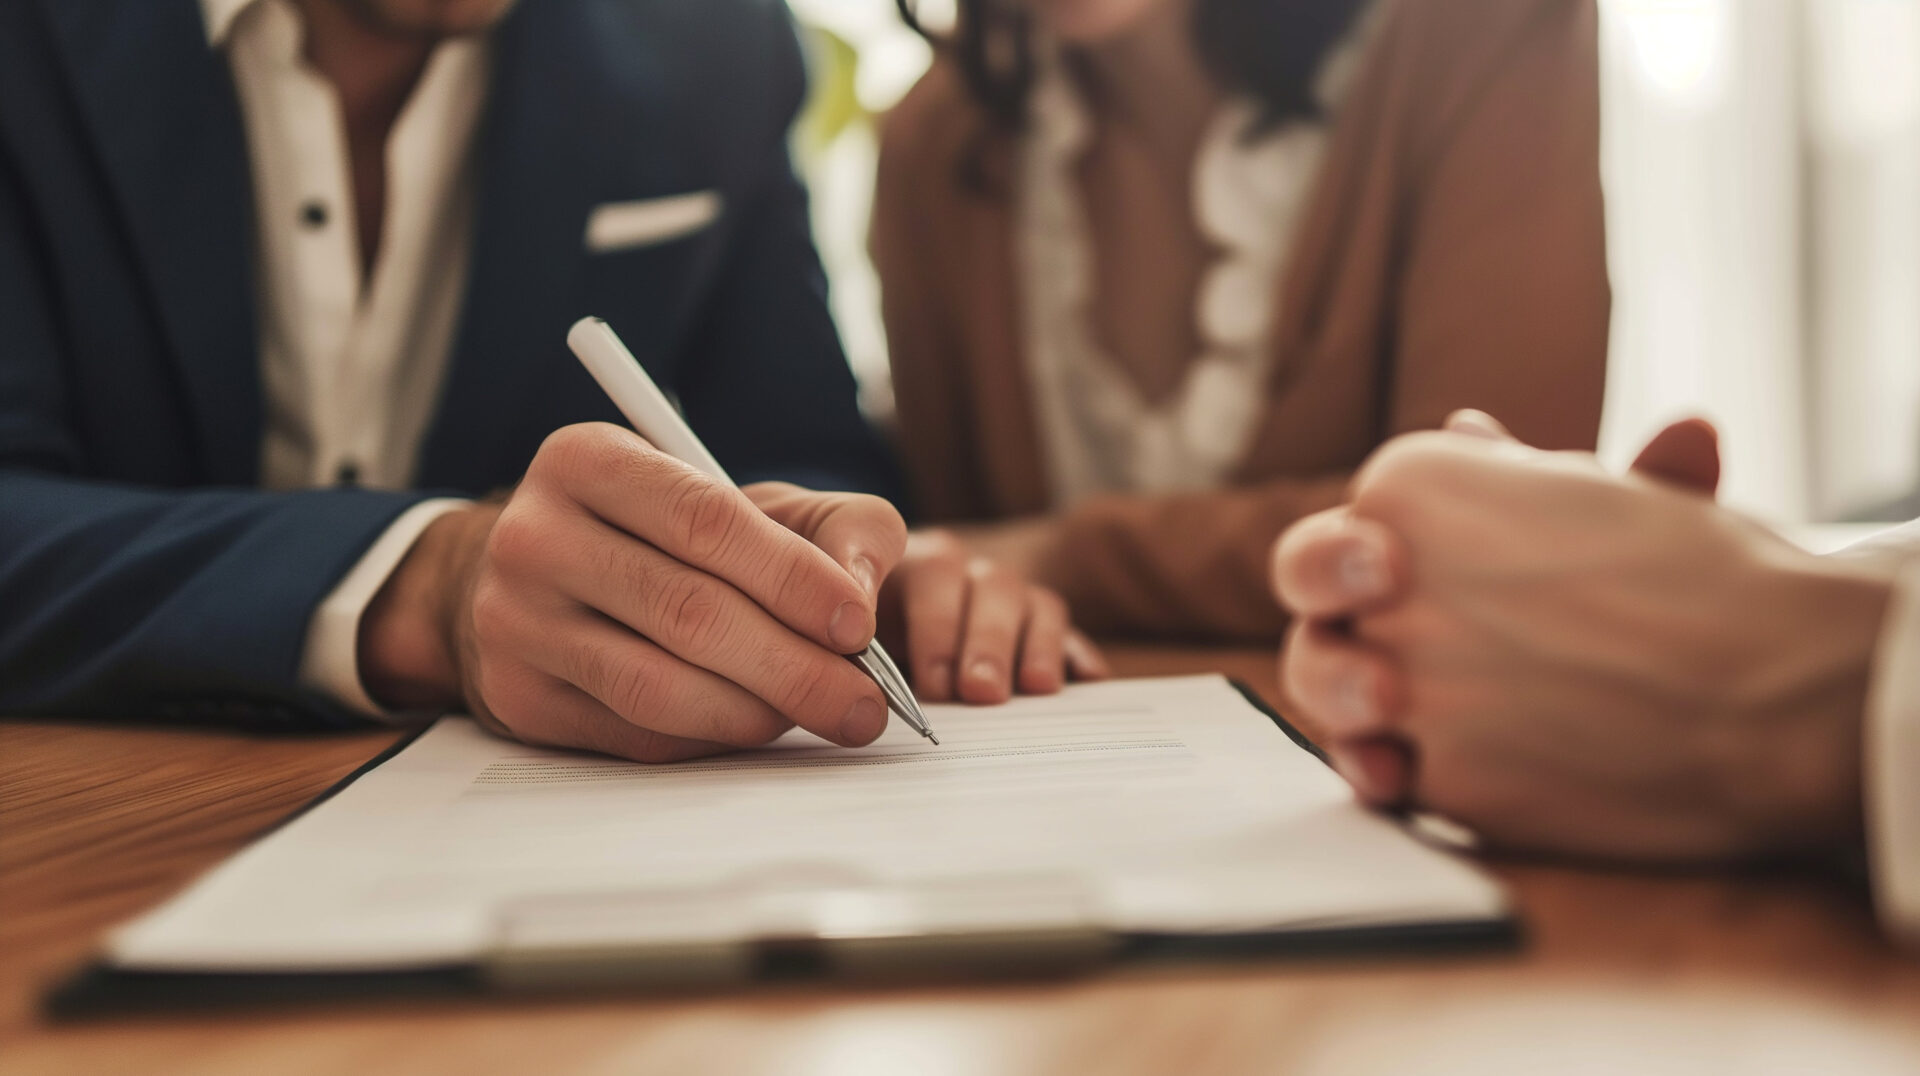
<point x="284" y="286"/>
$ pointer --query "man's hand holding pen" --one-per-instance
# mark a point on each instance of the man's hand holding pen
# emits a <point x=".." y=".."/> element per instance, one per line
<point x="622" y="601"/>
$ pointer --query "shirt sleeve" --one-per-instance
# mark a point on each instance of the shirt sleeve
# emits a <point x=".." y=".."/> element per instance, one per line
<point x="330" y="662"/>
<point x="1892" y="765"/>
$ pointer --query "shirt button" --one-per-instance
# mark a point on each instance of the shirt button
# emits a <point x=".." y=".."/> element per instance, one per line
<point x="314" y="214"/>
<point x="347" y="474"/>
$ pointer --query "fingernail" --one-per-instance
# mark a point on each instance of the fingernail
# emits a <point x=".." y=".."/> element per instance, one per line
<point x="852" y="627"/>
<point x="1363" y="571"/>
<point x="866" y="575"/>
<point x="864" y="722"/>
<point x="984" y="672"/>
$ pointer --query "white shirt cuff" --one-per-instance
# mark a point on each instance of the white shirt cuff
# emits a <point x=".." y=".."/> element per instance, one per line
<point x="330" y="662"/>
<point x="1890" y="549"/>
<point x="1891" y="768"/>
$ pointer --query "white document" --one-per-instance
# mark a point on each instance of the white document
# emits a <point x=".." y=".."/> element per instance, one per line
<point x="1178" y="806"/>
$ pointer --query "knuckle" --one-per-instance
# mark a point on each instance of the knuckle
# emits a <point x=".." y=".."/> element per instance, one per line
<point x="501" y="695"/>
<point x="692" y="611"/>
<point x="803" y="686"/>
<point x="618" y="737"/>
<point x="618" y="568"/>
<point x="486" y="693"/>
<point x="792" y="584"/>
<point x="627" y="686"/>
<point x="571" y="449"/>
<point x="1407" y="471"/>
<point x="621" y="567"/>
<point x="706" y="515"/>
<point x="492" y="608"/>
<point x="988" y="572"/>
<point x="728" y="721"/>
<point x="516" y="539"/>
<point x="633" y="689"/>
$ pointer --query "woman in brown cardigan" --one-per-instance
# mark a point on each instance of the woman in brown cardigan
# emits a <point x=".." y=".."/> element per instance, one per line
<point x="1158" y="274"/>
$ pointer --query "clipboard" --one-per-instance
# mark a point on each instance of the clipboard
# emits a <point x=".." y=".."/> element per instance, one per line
<point x="731" y="938"/>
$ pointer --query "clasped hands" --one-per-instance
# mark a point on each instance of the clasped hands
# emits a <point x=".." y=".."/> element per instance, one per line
<point x="621" y="601"/>
<point x="1571" y="661"/>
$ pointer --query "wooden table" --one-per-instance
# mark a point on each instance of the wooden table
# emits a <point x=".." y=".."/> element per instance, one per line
<point x="1625" y="972"/>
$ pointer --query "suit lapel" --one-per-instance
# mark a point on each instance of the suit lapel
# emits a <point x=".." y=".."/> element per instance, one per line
<point x="573" y="120"/>
<point x="163" y="114"/>
<point x="577" y="116"/>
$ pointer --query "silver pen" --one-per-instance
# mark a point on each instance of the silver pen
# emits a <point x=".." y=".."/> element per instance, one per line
<point x="626" y="383"/>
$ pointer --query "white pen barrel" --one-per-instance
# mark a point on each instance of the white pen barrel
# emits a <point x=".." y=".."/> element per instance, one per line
<point x="626" y="383"/>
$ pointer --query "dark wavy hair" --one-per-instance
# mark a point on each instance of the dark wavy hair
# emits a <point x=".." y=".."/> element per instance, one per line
<point x="1269" y="50"/>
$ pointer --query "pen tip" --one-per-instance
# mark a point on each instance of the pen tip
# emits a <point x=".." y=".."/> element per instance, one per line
<point x="935" y="739"/>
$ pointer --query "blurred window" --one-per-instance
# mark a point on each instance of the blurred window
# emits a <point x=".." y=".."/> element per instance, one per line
<point x="1763" y="181"/>
<point x="863" y="60"/>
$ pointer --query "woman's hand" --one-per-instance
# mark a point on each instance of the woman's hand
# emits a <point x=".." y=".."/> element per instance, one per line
<point x="975" y="629"/>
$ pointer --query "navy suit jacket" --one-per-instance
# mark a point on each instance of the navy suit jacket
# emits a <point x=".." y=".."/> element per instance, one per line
<point x="141" y="571"/>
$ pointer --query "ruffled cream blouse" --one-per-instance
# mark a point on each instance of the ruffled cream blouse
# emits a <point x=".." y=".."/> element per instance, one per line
<point x="1249" y="191"/>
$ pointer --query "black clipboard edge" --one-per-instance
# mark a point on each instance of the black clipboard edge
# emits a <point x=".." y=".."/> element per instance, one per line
<point x="1299" y="738"/>
<point x="401" y="744"/>
<point x="103" y="992"/>
<point x="100" y="990"/>
<point x="1506" y="933"/>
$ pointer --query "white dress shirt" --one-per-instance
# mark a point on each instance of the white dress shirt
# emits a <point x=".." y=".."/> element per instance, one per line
<point x="351" y="366"/>
<point x="1249" y="192"/>
<point x="1891" y="740"/>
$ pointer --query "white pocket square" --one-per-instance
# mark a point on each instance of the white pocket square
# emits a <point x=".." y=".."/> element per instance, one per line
<point x="623" y="225"/>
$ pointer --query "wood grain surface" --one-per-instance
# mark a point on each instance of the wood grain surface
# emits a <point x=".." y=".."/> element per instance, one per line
<point x="1626" y="972"/>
